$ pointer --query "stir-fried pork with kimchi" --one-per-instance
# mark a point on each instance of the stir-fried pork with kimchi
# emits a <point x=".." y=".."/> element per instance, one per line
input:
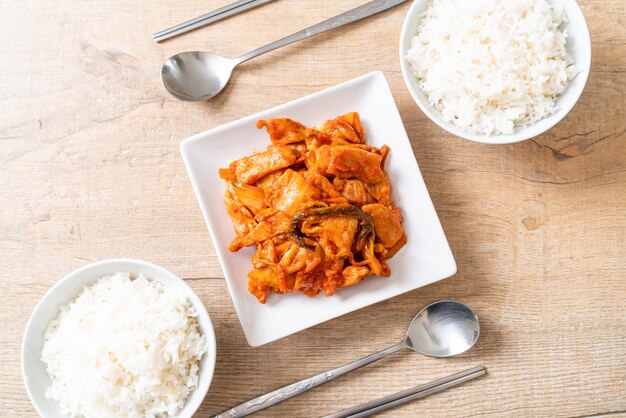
<point x="317" y="205"/>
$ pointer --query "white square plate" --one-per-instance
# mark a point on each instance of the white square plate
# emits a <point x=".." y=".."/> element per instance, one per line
<point x="425" y="259"/>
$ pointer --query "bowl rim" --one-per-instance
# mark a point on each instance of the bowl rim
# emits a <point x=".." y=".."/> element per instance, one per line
<point x="527" y="132"/>
<point x="208" y="330"/>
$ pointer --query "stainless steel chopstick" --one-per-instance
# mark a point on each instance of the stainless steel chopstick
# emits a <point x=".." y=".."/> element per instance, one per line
<point x="208" y="18"/>
<point x="378" y="405"/>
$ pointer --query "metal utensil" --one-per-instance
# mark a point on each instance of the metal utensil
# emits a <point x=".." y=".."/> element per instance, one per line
<point x="208" y="18"/>
<point x="198" y="75"/>
<point x="442" y="329"/>
<point x="391" y="401"/>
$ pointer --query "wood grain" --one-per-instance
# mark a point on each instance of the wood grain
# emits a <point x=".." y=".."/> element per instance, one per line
<point x="90" y="169"/>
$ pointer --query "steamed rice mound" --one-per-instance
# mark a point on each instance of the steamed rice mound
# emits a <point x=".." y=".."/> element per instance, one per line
<point x="489" y="66"/>
<point x="126" y="347"/>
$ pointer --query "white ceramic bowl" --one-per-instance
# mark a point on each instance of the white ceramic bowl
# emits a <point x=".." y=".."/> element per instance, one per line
<point x="578" y="42"/>
<point x="34" y="370"/>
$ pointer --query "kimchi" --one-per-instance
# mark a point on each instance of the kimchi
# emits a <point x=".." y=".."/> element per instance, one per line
<point x="317" y="205"/>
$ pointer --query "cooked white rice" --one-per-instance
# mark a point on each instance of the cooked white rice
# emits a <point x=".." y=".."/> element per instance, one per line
<point x="125" y="347"/>
<point x="491" y="65"/>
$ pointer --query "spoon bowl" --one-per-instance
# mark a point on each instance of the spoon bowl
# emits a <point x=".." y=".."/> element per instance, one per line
<point x="196" y="75"/>
<point x="443" y="329"/>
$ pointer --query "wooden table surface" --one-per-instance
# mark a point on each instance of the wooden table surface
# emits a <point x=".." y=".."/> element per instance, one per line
<point x="90" y="169"/>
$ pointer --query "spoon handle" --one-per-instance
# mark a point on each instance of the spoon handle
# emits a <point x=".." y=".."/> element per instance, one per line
<point x="289" y="391"/>
<point x="350" y="16"/>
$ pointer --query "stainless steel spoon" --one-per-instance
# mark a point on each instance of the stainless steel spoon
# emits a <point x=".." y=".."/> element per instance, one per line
<point x="442" y="329"/>
<point x="198" y="75"/>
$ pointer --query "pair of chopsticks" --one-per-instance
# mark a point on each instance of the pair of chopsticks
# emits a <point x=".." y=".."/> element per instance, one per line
<point x="208" y="18"/>
<point x="391" y="401"/>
